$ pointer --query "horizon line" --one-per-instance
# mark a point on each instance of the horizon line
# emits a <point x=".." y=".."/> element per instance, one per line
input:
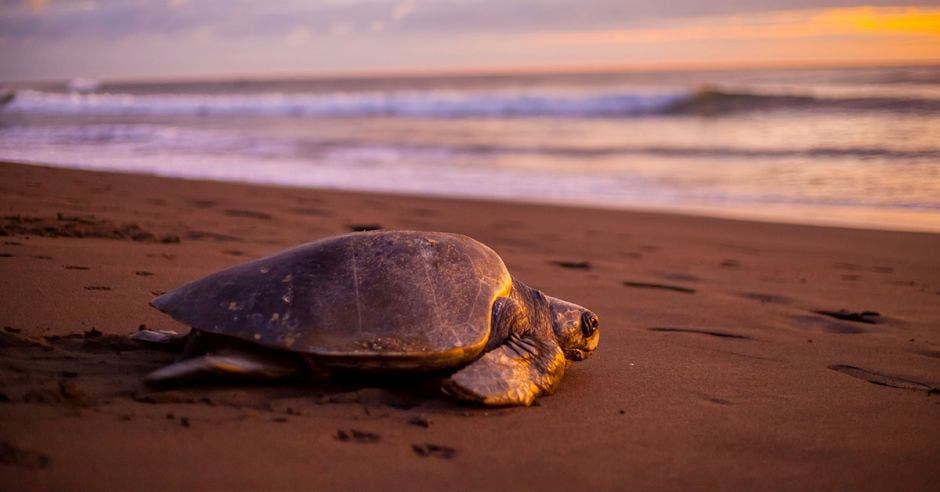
<point x="497" y="71"/>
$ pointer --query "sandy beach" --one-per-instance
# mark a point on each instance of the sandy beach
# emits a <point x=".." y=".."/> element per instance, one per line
<point x="733" y="354"/>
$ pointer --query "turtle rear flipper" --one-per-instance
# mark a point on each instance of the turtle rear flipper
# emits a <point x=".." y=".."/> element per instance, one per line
<point x="240" y="364"/>
<point x="514" y="373"/>
<point x="160" y="339"/>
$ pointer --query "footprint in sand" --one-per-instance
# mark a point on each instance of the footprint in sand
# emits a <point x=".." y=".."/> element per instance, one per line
<point x="215" y="236"/>
<point x="869" y="317"/>
<point x="13" y="455"/>
<point x="251" y="214"/>
<point x="647" y="285"/>
<point x="573" y="265"/>
<point x="364" y="227"/>
<point x="928" y="353"/>
<point x="680" y="277"/>
<point x="202" y="203"/>
<point x="420" y="421"/>
<point x="698" y="331"/>
<point x="81" y="227"/>
<point x="765" y="298"/>
<point x="884" y="379"/>
<point x="429" y="450"/>
<point x="311" y="211"/>
<point x="353" y="435"/>
<point x="716" y="400"/>
<point x="827" y="325"/>
<point x="165" y="256"/>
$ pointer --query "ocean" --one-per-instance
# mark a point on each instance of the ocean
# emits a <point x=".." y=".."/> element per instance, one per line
<point x="856" y="147"/>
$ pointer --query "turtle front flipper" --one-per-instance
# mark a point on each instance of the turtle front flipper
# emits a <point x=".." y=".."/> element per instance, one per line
<point x="514" y="373"/>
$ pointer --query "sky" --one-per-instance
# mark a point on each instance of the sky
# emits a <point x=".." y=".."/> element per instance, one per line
<point x="131" y="39"/>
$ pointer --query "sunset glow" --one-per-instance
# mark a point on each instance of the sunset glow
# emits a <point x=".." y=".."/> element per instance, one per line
<point x="49" y="39"/>
<point x="888" y="20"/>
<point x="794" y="24"/>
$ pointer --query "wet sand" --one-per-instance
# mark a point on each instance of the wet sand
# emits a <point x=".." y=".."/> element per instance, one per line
<point x="733" y="354"/>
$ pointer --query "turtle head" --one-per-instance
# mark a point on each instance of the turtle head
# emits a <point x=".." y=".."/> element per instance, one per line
<point x="576" y="328"/>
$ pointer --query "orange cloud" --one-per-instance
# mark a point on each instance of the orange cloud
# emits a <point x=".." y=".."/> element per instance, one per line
<point x="791" y="24"/>
<point x="37" y="5"/>
<point x="887" y="20"/>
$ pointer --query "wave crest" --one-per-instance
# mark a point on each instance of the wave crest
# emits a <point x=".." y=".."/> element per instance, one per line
<point x="707" y="101"/>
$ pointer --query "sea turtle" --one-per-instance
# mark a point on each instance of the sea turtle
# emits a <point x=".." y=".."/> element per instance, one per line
<point x="380" y="301"/>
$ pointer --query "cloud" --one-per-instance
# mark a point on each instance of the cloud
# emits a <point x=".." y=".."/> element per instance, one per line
<point x="112" y="19"/>
<point x="108" y="38"/>
<point x="341" y="28"/>
<point x="377" y="26"/>
<point x="911" y="20"/>
<point x="791" y="24"/>
<point x="403" y="9"/>
<point x="299" y="36"/>
<point x="36" y="5"/>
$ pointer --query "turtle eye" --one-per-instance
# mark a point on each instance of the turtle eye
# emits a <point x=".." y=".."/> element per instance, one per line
<point x="589" y="323"/>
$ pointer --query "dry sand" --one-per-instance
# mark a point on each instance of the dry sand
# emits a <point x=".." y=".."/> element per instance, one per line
<point x="714" y="369"/>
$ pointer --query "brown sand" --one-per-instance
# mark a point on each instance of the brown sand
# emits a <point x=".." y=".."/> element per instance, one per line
<point x="714" y="370"/>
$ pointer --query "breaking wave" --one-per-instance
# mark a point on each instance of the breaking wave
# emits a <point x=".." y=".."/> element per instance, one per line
<point x="707" y="101"/>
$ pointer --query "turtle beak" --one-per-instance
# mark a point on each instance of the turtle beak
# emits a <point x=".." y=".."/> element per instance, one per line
<point x="576" y="354"/>
<point x="591" y="344"/>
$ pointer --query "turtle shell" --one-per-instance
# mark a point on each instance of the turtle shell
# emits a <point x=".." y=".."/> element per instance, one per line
<point x="411" y="296"/>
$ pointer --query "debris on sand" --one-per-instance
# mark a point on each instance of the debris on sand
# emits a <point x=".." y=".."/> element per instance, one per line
<point x="353" y="435"/>
<point x="80" y="227"/>
<point x="12" y="455"/>
<point x="428" y="450"/>
<point x="420" y="421"/>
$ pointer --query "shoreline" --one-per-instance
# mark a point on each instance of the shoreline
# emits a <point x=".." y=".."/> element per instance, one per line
<point x="868" y="219"/>
<point x="733" y="354"/>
